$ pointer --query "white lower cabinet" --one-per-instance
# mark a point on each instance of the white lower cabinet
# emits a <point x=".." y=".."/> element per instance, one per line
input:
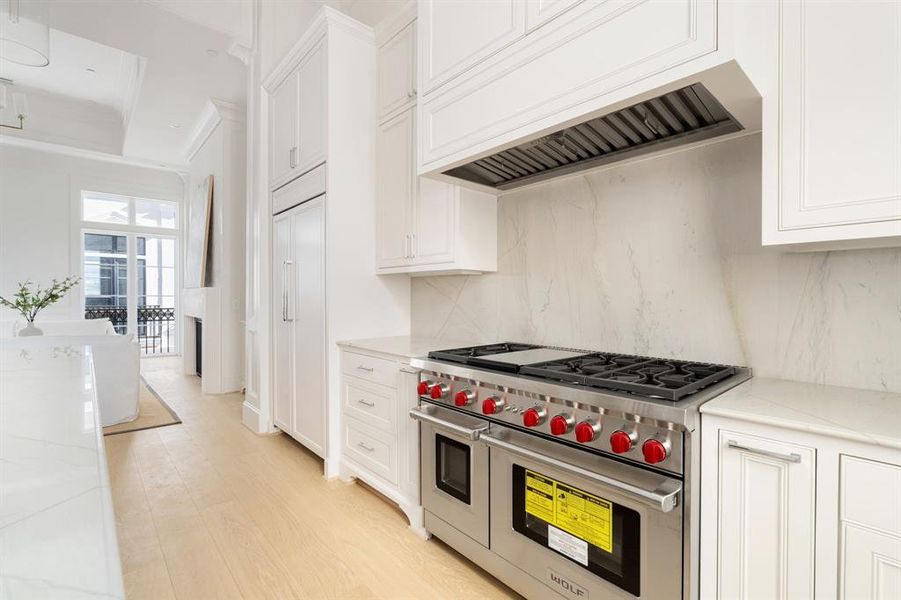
<point x="766" y="490"/>
<point x="379" y="442"/>
<point x="870" y="529"/>
<point x="792" y="515"/>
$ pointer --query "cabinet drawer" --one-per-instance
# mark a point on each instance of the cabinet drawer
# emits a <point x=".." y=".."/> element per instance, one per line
<point x="370" y="368"/>
<point x="373" y="404"/>
<point x="375" y="450"/>
<point x="870" y="493"/>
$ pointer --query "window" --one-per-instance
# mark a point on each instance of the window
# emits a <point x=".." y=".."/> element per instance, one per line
<point x="97" y="207"/>
<point x="104" y="209"/>
<point x="130" y="267"/>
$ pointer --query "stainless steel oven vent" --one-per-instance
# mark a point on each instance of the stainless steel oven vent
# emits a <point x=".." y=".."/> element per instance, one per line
<point x="687" y="115"/>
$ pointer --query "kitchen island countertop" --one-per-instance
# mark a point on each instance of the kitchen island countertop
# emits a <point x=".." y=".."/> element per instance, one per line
<point x="57" y="527"/>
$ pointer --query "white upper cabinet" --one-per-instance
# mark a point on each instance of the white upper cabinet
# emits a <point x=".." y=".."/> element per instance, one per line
<point x="423" y="226"/>
<point x="298" y="120"/>
<point x="436" y="222"/>
<point x="394" y="190"/>
<point x="283" y="139"/>
<point x="456" y="35"/>
<point x="397" y="72"/>
<point x="832" y="129"/>
<point x="311" y="110"/>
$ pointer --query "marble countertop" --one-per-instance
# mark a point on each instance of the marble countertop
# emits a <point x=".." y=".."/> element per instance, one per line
<point x="57" y="527"/>
<point x="403" y="346"/>
<point x="859" y="415"/>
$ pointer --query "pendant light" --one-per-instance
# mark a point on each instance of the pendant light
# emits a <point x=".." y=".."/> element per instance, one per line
<point x="24" y="32"/>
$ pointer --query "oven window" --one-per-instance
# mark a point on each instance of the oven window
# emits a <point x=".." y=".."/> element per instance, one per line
<point x="593" y="532"/>
<point x="452" y="473"/>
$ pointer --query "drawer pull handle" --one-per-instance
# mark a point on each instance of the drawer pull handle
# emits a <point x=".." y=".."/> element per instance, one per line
<point x="367" y="369"/>
<point x="364" y="403"/>
<point x="365" y="447"/>
<point x="792" y="458"/>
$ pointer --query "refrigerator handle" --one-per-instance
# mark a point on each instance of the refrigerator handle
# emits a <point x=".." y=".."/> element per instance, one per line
<point x="288" y="281"/>
<point x="284" y="290"/>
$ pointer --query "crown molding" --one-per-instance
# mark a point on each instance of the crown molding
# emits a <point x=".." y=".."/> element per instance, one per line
<point x="214" y="112"/>
<point x="391" y="25"/>
<point x="51" y="148"/>
<point x="326" y="18"/>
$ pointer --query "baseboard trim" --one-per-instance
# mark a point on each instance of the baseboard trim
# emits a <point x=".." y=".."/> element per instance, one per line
<point x="250" y="416"/>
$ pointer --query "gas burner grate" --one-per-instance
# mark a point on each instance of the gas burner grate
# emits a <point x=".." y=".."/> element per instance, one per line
<point x="463" y="355"/>
<point x="652" y="377"/>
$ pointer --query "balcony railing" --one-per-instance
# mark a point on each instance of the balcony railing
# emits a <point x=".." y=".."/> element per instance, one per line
<point x="156" y="325"/>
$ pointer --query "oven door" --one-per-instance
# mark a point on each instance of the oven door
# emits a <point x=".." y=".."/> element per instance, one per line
<point x="454" y="469"/>
<point x="586" y="526"/>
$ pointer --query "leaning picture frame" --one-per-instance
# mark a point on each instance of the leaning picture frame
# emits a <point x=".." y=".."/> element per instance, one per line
<point x="198" y="235"/>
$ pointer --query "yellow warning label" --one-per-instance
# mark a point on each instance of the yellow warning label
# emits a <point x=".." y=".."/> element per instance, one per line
<point x="579" y="513"/>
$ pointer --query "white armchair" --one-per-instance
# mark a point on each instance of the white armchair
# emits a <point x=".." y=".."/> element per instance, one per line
<point x="117" y="363"/>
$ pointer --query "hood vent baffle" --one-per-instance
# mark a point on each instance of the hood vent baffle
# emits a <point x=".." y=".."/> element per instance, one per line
<point x="687" y="115"/>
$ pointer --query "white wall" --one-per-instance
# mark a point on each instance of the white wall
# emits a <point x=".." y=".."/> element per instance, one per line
<point x="39" y="194"/>
<point x="223" y="155"/>
<point x="663" y="257"/>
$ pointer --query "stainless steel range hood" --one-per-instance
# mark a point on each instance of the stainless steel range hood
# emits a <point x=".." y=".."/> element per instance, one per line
<point x="687" y="115"/>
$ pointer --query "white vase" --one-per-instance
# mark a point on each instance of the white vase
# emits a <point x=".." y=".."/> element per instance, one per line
<point x="30" y="330"/>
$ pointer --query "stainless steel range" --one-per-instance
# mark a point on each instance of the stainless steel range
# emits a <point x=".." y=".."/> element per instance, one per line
<point x="567" y="473"/>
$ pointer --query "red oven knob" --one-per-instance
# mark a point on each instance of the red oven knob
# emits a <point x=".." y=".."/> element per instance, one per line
<point x="424" y="386"/>
<point x="654" y="451"/>
<point x="533" y="416"/>
<point x="620" y="441"/>
<point x="587" y="431"/>
<point x="439" y="390"/>
<point x="464" y="398"/>
<point x="561" y="424"/>
<point x="492" y="405"/>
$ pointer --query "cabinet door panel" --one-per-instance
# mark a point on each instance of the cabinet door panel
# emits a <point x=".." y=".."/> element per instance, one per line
<point x="839" y="113"/>
<point x="436" y="216"/>
<point x="283" y="391"/>
<point x="396" y="71"/>
<point x="283" y="130"/>
<point x="870" y="540"/>
<point x="306" y="310"/>
<point x="458" y="34"/>
<point x="394" y="189"/>
<point x="539" y="12"/>
<point x="871" y="564"/>
<point x="766" y="512"/>
<point x="312" y="111"/>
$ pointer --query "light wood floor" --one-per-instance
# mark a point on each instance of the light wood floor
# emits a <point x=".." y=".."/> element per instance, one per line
<point x="207" y="509"/>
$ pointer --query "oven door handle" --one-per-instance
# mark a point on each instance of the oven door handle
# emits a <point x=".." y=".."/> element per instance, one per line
<point x="468" y="433"/>
<point x="665" y="498"/>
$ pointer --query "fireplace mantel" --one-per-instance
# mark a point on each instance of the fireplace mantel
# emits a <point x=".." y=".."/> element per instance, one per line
<point x="220" y="376"/>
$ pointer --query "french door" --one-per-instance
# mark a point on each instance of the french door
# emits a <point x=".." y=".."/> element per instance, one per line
<point x="130" y="268"/>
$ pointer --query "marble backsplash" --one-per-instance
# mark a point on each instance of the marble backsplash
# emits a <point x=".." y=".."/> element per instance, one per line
<point x="663" y="258"/>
